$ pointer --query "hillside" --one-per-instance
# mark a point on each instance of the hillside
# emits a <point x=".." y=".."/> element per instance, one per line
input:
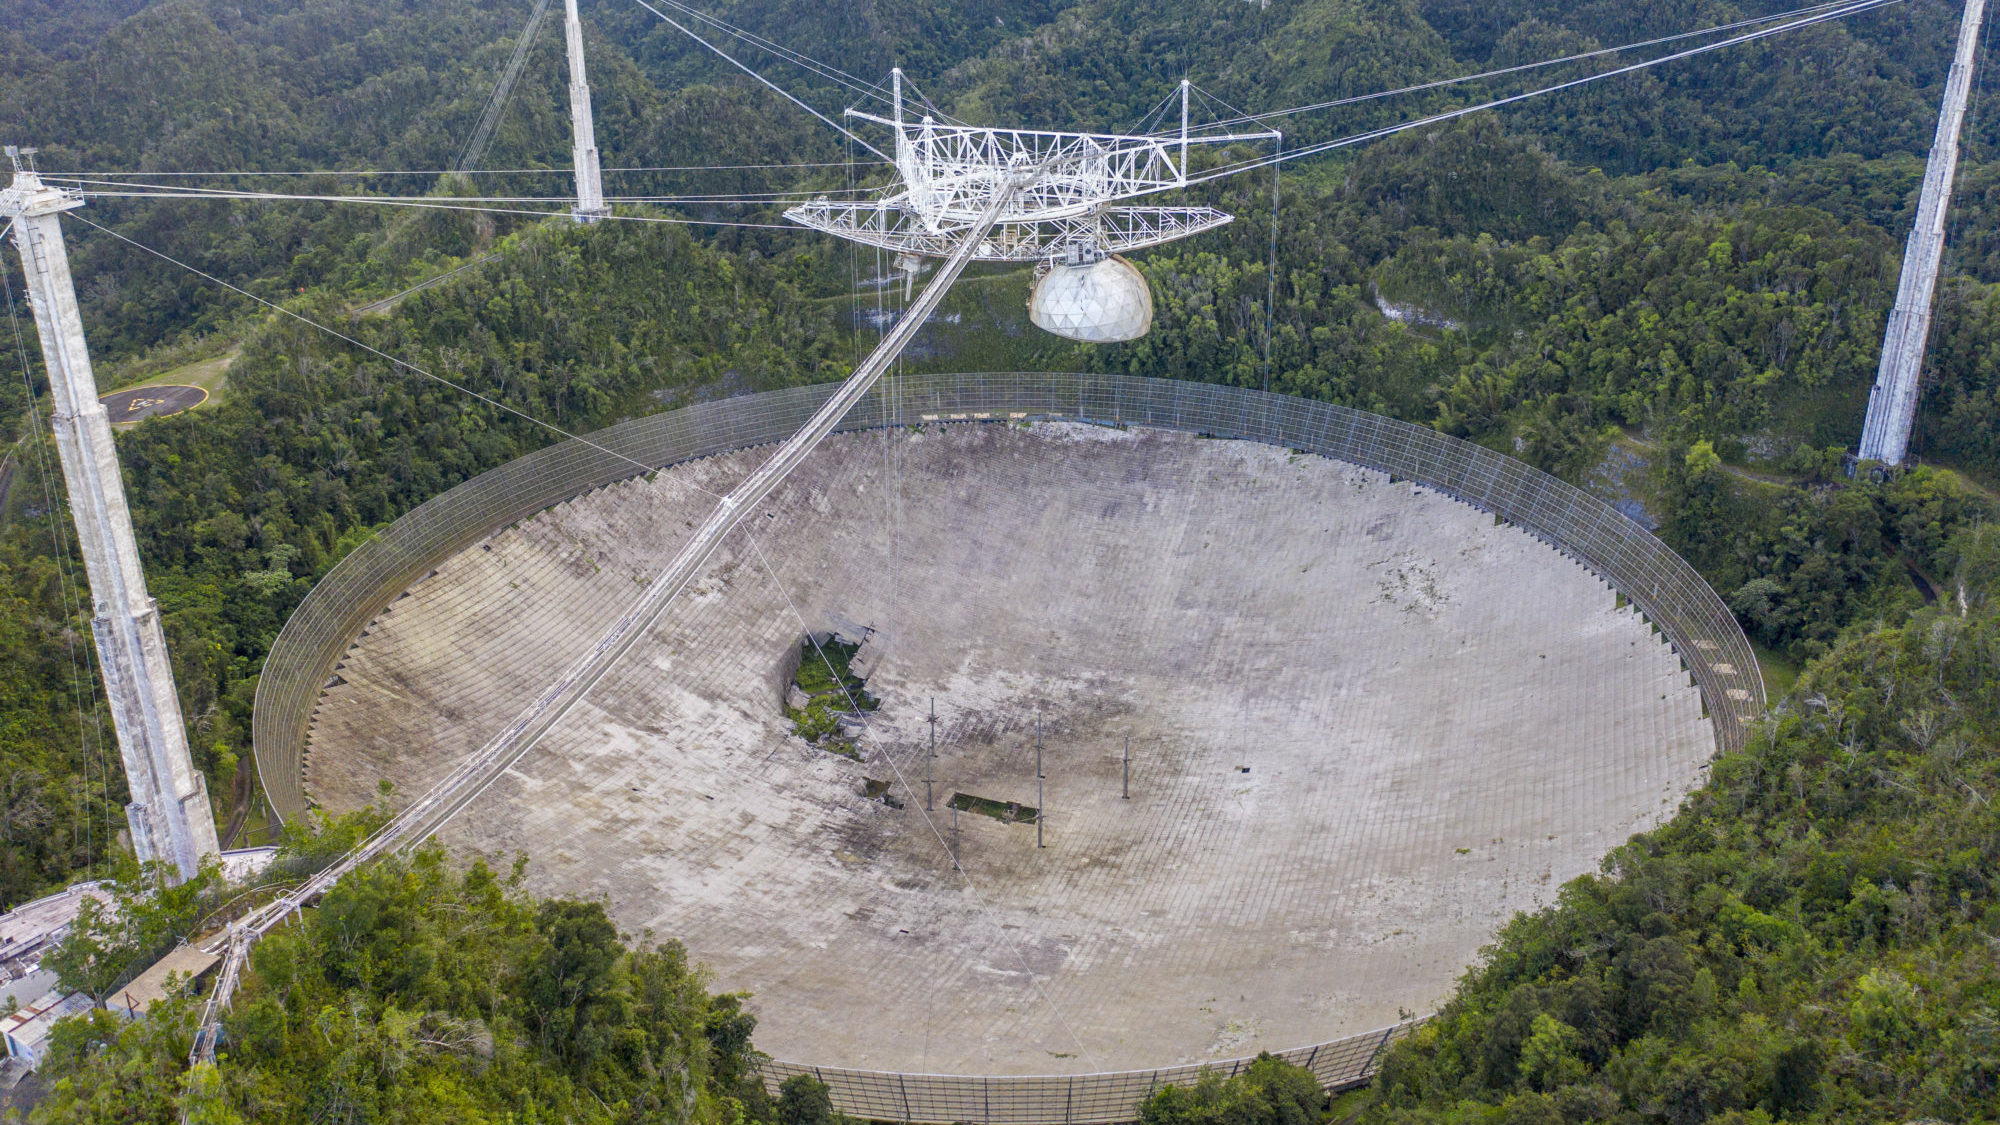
<point x="1669" y="288"/>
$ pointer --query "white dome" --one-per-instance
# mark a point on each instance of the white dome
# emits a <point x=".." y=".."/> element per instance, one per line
<point x="1101" y="303"/>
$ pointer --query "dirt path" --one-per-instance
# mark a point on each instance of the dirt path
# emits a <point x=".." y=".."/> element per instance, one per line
<point x="1737" y="471"/>
<point x="390" y="302"/>
<point x="244" y="791"/>
<point x="1985" y="491"/>
<point x="1972" y="483"/>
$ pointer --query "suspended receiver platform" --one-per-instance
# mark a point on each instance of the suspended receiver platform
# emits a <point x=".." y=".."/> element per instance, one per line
<point x="951" y="172"/>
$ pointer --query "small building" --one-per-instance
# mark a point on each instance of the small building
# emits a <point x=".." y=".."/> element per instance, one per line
<point x="21" y="991"/>
<point x="28" y="1030"/>
<point x="26" y="933"/>
<point x="150" y="987"/>
<point x="28" y="930"/>
<point x="240" y="865"/>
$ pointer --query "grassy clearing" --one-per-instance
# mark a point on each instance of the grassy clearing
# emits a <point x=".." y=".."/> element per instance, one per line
<point x="1780" y="672"/>
<point x="210" y="374"/>
<point x="1972" y="481"/>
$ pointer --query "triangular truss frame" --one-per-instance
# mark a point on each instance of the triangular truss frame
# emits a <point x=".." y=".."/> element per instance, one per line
<point x="951" y="172"/>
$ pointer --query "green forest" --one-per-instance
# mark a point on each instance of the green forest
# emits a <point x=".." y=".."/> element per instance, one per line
<point x="417" y="992"/>
<point x="1668" y="288"/>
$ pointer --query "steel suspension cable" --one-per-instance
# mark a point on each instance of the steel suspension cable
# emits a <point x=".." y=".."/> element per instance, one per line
<point x="1243" y="118"/>
<point x="90" y="739"/>
<point x="1480" y="107"/>
<point x="425" y="822"/>
<point x="797" y="58"/>
<point x="424" y="204"/>
<point x="775" y="196"/>
<point x="979" y="897"/>
<point x="1271" y="278"/>
<point x="910" y="86"/>
<point x="774" y="87"/>
<point x="362" y="344"/>
<point x="479" y="171"/>
<point x="503" y="92"/>
<point x="1801" y="17"/>
<point x="1145" y="122"/>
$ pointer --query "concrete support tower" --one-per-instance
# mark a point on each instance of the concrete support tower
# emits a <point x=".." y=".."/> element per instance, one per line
<point x="583" y="134"/>
<point x="169" y="813"/>
<point x="1892" y="404"/>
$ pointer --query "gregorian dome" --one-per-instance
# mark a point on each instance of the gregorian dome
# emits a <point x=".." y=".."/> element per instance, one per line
<point x="1101" y="302"/>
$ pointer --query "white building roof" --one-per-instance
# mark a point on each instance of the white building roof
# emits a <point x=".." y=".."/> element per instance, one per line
<point x="150" y="986"/>
<point x="29" y="929"/>
<point x="239" y="864"/>
<point x="28" y="1029"/>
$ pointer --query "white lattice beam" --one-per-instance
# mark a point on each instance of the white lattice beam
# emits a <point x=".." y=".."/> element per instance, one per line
<point x="950" y="174"/>
<point x="892" y="226"/>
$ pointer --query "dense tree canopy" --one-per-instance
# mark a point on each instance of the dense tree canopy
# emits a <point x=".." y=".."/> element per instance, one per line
<point x="419" y="992"/>
<point x="1668" y="288"/>
<point x="1809" y="940"/>
<point x="239" y="506"/>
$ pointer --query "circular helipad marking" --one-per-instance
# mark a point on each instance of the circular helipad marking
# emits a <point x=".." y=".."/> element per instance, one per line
<point x="135" y="403"/>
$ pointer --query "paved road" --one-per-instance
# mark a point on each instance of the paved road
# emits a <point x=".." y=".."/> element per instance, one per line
<point x="151" y="402"/>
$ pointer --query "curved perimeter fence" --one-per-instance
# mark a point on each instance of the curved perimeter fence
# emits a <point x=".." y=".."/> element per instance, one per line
<point x="1082" y="1099"/>
<point x="1658" y="582"/>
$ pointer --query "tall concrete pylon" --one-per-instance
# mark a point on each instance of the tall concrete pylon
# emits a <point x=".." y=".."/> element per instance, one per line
<point x="583" y="133"/>
<point x="1892" y="403"/>
<point x="169" y="813"/>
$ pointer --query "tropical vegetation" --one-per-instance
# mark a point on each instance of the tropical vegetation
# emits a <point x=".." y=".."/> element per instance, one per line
<point x="1668" y="288"/>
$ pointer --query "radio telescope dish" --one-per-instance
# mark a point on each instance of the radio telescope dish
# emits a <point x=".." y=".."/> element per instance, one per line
<point x="1103" y="302"/>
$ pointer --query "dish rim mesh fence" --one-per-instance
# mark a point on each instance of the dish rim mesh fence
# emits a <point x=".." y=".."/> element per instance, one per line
<point x="1100" y="1098"/>
<point x="1661" y="585"/>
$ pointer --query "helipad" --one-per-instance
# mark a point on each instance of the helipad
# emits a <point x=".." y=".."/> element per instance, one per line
<point x="136" y="403"/>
